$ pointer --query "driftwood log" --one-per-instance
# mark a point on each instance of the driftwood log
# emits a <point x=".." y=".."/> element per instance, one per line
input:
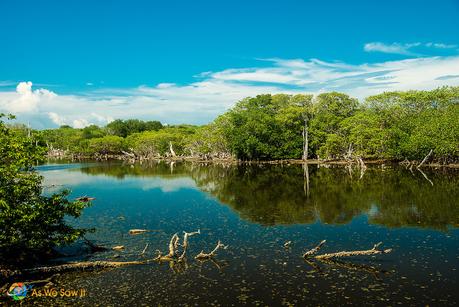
<point x="368" y="252"/>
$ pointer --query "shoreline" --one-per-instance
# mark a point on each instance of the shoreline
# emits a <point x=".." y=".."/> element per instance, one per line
<point x="407" y="163"/>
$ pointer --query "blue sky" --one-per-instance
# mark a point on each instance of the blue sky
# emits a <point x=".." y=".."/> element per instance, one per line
<point x="83" y="62"/>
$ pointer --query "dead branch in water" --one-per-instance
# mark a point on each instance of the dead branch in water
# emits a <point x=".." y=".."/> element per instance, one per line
<point x="203" y="256"/>
<point x="137" y="231"/>
<point x="314" y="250"/>
<point x="144" y="250"/>
<point x="373" y="251"/>
<point x="425" y="158"/>
<point x="172" y="256"/>
<point x="173" y="245"/>
<point x="185" y="242"/>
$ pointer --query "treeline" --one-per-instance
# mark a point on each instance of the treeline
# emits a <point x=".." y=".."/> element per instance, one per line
<point x="392" y="125"/>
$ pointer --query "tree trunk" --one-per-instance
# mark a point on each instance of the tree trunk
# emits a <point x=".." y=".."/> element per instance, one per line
<point x="425" y="158"/>
<point x="305" y="140"/>
<point x="172" y="150"/>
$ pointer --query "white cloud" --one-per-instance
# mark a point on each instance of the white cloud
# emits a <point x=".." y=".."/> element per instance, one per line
<point x="81" y="123"/>
<point x="394" y="48"/>
<point x="55" y="118"/>
<point x="102" y="119"/>
<point x="214" y="92"/>
<point x="24" y="99"/>
<point x="405" y="48"/>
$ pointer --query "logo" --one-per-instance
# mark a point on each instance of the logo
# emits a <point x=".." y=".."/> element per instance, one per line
<point x="18" y="291"/>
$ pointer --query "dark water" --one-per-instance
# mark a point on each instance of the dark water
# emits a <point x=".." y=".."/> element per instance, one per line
<point x="255" y="210"/>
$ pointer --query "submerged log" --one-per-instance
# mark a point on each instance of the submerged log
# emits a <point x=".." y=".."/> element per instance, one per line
<point x="77" y="266"/>
<point x="369" y="252"/>
<point x="137" y="231"/>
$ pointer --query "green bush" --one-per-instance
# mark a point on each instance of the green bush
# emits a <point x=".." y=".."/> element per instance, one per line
<point x="30" y="223"/>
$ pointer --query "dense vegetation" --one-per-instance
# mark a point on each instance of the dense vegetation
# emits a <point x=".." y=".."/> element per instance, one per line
<point x="392" y="125"/>
<point x="31" y="224"/>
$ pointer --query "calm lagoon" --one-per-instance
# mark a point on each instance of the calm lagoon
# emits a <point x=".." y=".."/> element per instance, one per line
<point x="255" y="209"/>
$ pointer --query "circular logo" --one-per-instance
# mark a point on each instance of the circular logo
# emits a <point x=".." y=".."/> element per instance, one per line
<point x="18" y="291"/>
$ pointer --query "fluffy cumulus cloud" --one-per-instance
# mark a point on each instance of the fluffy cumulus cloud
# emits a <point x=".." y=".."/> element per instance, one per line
<point x="201" y="101"/>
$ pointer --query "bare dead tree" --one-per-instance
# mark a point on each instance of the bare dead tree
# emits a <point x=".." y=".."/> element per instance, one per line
<point x="172" y="149"/>
<point x="425" y="158"/>
<point x="305" y="138"/>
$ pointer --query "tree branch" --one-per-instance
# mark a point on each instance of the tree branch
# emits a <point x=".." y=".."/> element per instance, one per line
<point x="204" y="256"/>
<point x="314" y="250"/>
<point x="373" y="251"/>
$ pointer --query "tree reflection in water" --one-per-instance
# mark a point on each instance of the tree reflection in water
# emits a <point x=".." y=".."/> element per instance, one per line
<point x="297" y="194"/>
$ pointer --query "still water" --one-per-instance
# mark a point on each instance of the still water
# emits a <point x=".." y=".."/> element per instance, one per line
<point x="255" y="209"/>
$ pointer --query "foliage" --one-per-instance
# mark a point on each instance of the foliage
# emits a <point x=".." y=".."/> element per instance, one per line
<point x="109" y="144"/>
<point x="267" y="127"/>
<point x="123" y="128"/>
<point x="157" y="143"/>
<point x="29" y="221"/>
<point x="391" y="125"/>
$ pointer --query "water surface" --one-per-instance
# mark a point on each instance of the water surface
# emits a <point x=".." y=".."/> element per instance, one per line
<point x="255" y="209"/>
